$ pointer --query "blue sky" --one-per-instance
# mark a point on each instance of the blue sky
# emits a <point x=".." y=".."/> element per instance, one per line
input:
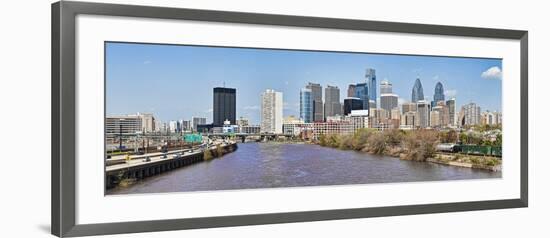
<point x="175" y="82"/>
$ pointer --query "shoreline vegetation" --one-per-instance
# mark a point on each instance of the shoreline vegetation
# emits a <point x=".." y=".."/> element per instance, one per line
<point x="417" y="145"/>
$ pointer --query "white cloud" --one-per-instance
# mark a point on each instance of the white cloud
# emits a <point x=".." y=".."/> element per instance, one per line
<point x="209" y="110"/>
<point x="450" y="93"/>
<point x="492" y="73"/>
<point x="147" y="62"/>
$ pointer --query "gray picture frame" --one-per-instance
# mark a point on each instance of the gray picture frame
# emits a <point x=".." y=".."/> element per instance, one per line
<point x="64" y="107"/>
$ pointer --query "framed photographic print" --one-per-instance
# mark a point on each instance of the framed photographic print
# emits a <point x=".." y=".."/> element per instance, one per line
<point x="167" y="118"/>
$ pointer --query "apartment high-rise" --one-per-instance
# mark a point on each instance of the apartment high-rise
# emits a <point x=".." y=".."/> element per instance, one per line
<point x="417" y="91"/>
<point x="306" y="105"/>
<point x="472" y="114"/>
<point x="317" y="94"/>
<point x="224" y="106"/>
<point x="451" y="105"/>
<point x="272" y="112"/>
<point x="332" y="101"/>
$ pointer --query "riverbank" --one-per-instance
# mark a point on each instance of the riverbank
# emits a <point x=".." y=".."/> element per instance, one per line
<point x="413" y="145"/>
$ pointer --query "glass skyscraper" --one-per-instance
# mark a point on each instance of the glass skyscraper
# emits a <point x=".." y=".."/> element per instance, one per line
<point x="332" y="101"/>
<point x="351" y="104"/>
<point x="370" y="76"/>
<point x="317" y="94"/>
<point x="224" y="105"/>
<point x="439" y="93"/>
<point x="362" y="92"/>
<point x="417" y="91"/>
<point x="306" y="105"/>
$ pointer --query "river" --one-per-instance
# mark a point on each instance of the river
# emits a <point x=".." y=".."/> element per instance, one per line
<point x="272" y="165"/>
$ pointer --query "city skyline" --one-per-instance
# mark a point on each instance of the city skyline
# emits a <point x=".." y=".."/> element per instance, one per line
<point x="175" y="82"/>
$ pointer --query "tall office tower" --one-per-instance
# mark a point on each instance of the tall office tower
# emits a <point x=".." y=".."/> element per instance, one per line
<point x="385" y="87"/>
<point x="224" y="105"/>
<point x="370" y="76"/>
<point x="410" y="119"/>
<point x="351" y="90"/>
<point x="196" y="121"/>
<point x="452" y="110"/>
<point x="388" y="100"/>
<point x="439" y="94"/>
<point x="306" y="105"/>
<point x="423" y="113"/>
<point x="362" y="92"/>
<point x="332" y="101"/>
<point x="272" y="112"/>
<point x="435" y="119"/>
<point x="317" y="94"/>
<point x="408" y="107"/>
<point x="472" y="114"/>
<point x="417" y="91"/>
<point x="351" y="104"/>
<point x="443" y="110"/>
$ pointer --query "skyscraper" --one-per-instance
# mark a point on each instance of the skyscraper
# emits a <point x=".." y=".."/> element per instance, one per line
<point x="417" y="91"/>
<point x="224" y="105"/>
<point x="423" y="113"/>
<point x="332" y="101"/>
<point x="388" y="100"/>
<point x="451" y="105"/>
<point x="472" y="114"/>
<point x="435" y="117"/>
<point x="351" y="90"/>
<point x="385" y="87"/>
<point x="443" y="113"/>
<point x="272" y="112"/>
<point x="408" y="107"/>
<point x="306" y="105"/>
<point x="439" y="93"/>
<point x="370" y="76"/>
<point x="351" y="104"/>
<point x="317" y="94"/>
<point x="362" y="92"/>
<point x="196" y="121"/>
